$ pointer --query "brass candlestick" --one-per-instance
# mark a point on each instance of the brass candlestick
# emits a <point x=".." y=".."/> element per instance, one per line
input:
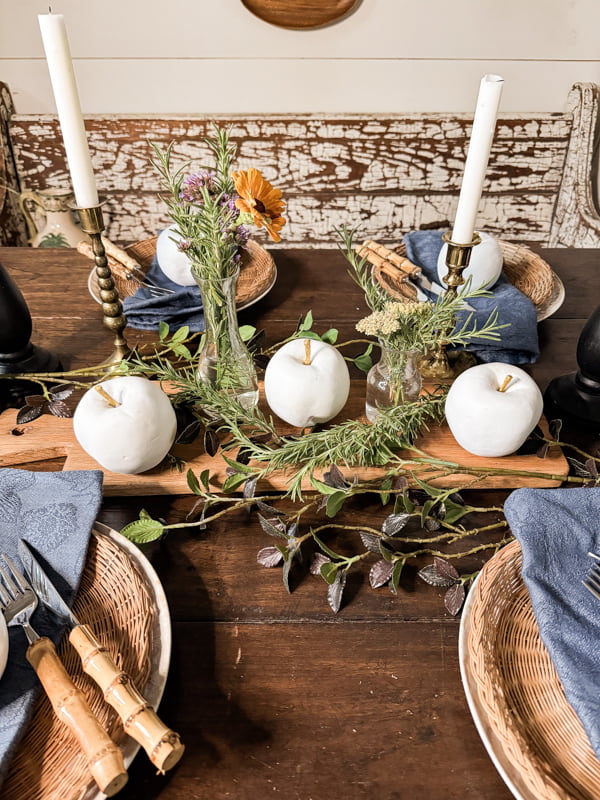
<point x="114" y="319"/>
<point x="442" y="366"/>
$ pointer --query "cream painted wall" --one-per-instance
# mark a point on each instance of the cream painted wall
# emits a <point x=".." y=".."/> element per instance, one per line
<point x="213" y="56"/>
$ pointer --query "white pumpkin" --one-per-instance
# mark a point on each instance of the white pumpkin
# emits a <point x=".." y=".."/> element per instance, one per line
<point x="128" y="426"/>
<point x="484" y="267"/>
<point x="175" y="264"/>
<point x="492" y="408"/>
<point x="307" y="382"/>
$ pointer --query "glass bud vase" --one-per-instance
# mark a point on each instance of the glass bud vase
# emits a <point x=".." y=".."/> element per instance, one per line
<point x="224" y="360"/>
<point x="393" y="381"/>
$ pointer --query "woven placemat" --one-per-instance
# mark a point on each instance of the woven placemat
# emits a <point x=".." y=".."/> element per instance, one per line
<point x="522" y="267"/>
<point x="114" y="600"/>
<point x="533" y="731"/>
<point x="257" y="272"/>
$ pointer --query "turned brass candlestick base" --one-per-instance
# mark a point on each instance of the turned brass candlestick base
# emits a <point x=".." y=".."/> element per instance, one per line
<point x="114" y="319"/>
<point x="442" y="366"/>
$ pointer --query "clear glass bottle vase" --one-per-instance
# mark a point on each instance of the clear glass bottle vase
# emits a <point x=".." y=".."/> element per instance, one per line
<point x="393" y="381"/>
<point x="224" y="360"/>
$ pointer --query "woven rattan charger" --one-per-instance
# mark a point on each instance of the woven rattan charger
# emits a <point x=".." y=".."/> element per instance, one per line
<point x="257" y="272"/>
<point x="526" y="270"/>
<point x="515" y="696"/>
<point x="120" y="603"/>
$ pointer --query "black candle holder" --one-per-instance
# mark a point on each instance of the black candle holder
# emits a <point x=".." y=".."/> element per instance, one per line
<point x="17" y="354"/>
<point x="578" y="394"/>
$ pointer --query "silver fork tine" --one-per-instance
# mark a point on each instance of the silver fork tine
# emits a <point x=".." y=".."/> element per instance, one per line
<point x="590" y="587"/>
<point x="17" y="575"/>
<point x="9" y="585"/>
<point x="593" y="555"/>
<point x="5" y="598"/>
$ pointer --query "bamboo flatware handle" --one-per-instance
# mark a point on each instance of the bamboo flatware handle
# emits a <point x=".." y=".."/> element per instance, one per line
<point x="104" y="758"/>
<point x="163" y="746"/>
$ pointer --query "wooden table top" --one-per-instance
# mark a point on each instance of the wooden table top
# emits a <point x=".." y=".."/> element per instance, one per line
<point x="272" y="693"/>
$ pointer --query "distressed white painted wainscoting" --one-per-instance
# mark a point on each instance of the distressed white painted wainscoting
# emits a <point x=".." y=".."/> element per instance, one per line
<point x="385" y="174"/>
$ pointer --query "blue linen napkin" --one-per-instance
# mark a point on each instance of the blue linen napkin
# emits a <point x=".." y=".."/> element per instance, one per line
<point x="519" y="342"/>
<point x="184" y="307"/>
<point x="54" y="512"/>
<point x="556" y="528"/>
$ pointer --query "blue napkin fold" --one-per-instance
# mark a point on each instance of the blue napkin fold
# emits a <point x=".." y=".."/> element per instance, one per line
<point x="518" y="343"/>
<point x="54" y="512"/>
<point x="556" y="528"/>
<point x="184" y="307"/>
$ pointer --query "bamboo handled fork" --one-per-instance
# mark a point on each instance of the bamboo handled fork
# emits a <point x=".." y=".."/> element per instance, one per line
<point x="18" y="601"/>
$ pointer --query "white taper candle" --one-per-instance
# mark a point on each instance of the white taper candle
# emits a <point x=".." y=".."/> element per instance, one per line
<point x="478" y="155"/>
<point x="66" y="96"/>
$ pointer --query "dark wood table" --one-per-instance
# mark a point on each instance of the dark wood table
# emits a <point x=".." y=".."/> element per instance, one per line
<point x="273" y="694"/>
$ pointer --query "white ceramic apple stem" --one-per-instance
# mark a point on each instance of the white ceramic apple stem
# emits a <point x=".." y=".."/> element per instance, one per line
<point x="505" y="383"/>
<point x="306" y="352"/>
<point x="110" y="400"/>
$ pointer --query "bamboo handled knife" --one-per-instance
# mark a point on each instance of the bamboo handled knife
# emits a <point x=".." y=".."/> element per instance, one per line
<point x="140" y="721"/>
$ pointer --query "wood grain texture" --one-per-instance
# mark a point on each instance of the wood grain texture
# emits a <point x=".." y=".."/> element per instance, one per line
<point x="320" y="711"/>
<point x="297" y="14"/>
<point x="50" y="437"/>
<point x="386" y="175"/>
<point x="271" y="693"/>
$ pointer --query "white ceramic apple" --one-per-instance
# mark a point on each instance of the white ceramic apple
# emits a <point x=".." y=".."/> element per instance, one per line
<point x="175" y="264"/>
<point x="127" y="425"/>
<point x="307" y="382"/>
<point x="484" y="267"/>
<point x="492" y="408"/>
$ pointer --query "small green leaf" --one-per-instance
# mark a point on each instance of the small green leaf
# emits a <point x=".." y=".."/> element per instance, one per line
<point x="180" y="334"/>
<point x="329" y="572"/>
<point x="324" y="547"/>
<point x="204" y="479"/>
<point x="247" y="332"/>
<point x="308" y="335"/>
<point x="323" y="488"/>
<point x="330" y="336"/>
<point x="385" y="495"/>
<point x="454" y="512"/>
<point x="163" y="330"/>
<point x="427" y="506"/>
<point x="432" y="491"/>
<point x="307" y="322"/>
<point x="363" y="363"/>
<point x="192" y="482"/>
<point x="143" y="530"/>
<point x="396" y="573"/>
<point x="239" y="467"/>
<point x="233" y="482"/>
<point x="335" y="502"/>
<point x="183" y="351"/>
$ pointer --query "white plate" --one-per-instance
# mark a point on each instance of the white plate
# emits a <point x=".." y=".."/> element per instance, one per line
<point x="3" y="644"/>
<point x="161" y="640"/>
<point x="471" y="694"/>
<point x="554" y="302"/>
<point x="241" y="307"/>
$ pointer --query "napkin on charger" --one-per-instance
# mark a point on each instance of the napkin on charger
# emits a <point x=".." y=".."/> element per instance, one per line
<point x="518" y="344"/>
<point x="183" y="307"/>
<point x="556" y="528"/>
<point x="54" y="512"/>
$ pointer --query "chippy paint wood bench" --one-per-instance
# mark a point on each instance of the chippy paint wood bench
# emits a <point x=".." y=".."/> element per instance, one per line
<point x="385" y="174"/>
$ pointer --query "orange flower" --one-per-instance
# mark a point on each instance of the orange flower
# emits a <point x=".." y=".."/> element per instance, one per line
<point x="258" y="198"/>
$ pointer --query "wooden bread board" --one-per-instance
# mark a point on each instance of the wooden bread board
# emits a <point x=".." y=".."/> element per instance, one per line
<point x="49" y="437"/>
